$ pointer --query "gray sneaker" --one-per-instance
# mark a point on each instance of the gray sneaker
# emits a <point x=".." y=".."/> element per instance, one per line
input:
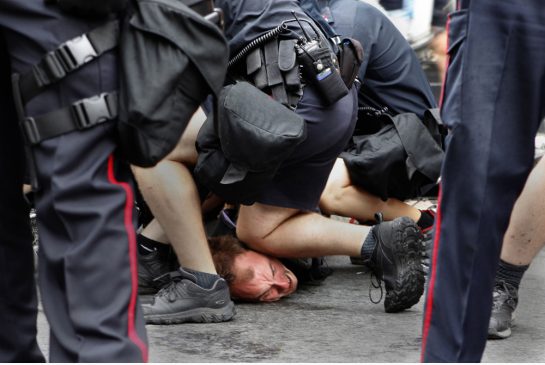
<point x="182" y="300"/>
<point x="505" y="298"/>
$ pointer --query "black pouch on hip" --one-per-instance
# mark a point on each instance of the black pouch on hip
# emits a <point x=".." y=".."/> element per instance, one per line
<point x="350" y="59"/>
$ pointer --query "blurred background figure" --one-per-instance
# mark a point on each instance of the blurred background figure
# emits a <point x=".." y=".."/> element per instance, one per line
<point x="423" y="24"/>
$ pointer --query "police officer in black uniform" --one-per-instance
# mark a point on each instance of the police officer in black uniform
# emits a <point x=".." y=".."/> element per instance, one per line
<point x="283" y="219"/>
<point x="391" y="74"/>
<point x="87" y="256"/>
<point x="493" y="104"/>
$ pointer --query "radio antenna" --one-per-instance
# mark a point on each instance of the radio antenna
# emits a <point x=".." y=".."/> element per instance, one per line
<point x="301" y="26"/>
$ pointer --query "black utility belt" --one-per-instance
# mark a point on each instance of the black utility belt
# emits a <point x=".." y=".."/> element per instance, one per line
<point x="273" y="68"/>
<point x="278" y="63"/>
<point x="281" y="67"/>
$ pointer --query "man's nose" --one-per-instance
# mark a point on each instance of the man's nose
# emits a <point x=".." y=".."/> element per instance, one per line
<point x="283" y="283"/>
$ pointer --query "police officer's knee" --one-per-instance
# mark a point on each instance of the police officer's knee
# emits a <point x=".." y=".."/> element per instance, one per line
<point x="251" y="237"/>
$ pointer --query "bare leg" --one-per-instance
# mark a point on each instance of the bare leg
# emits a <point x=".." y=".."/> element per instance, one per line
<point x="172" y="196"/>
<point x="342" y="198"/>
<point x="155" y="232"/>
<point x="525" y="235"/>
<point x="439" y="48"/>
<point x="285" y="232"/>
<point x="291" y="233"/>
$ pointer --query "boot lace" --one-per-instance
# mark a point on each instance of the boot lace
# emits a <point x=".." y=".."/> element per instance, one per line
<point x="170" y="291"/>
<point x="376" y="283"/>
<point x="502" y="294"/>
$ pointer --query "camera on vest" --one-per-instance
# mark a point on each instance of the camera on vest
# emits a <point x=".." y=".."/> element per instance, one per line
<point x="320" y="68"/>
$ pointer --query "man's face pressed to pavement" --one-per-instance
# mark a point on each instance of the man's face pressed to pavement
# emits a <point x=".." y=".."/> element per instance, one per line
<point x="261" y="278"/>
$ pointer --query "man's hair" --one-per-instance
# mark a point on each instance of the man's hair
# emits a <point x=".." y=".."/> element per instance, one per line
<point x="224" y="251"/>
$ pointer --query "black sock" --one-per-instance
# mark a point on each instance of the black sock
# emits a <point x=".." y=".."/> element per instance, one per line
<point x="147" y="245"/>
<point x="511" y="274"/>
<point x="426" y="220"/>
<point x="368" y="245"/>
<point x="204" y="279"/>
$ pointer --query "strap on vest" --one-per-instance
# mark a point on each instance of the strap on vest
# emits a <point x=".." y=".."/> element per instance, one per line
<point x="68" y="57"/>
<point x="82" y="114"/>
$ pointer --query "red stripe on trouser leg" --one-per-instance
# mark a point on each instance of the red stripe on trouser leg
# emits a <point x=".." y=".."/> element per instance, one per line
<point x="133" y="335"/>
<point x="429" y="296"/>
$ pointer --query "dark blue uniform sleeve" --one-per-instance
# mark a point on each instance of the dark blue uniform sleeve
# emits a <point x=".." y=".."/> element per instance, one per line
<point x="391" y="73"/>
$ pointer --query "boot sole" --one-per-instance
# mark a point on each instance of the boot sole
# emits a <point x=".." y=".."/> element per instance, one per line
<point x="499" y="335"/>
<point x="357" y="260"/>
<point x="494" y="334"/>
<point x="196" y="315"/>
<point x="409" y="288"/>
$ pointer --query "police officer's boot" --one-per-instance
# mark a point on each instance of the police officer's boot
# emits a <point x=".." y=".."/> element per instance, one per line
<point x="397" y="260"/>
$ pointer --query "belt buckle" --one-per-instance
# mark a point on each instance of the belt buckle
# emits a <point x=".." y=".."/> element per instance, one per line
<point x="91" y="111"/>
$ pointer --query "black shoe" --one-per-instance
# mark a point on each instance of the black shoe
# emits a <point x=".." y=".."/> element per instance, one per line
<point x="505" y="298"/>
<point x="397" y="260"/>
<point x="427" y="243"/>
<point x="184" y="301"/>
<point x="428" y="233"/>
<point x="358" y="260"/>
<point x="152" y="270"/>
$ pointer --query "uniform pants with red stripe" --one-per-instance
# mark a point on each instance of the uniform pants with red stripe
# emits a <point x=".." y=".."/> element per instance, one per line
<point x="493" y="103"/>
<point x="87" y="251"/>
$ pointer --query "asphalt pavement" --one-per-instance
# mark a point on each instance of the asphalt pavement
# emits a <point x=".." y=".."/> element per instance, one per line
<point x="334" y="322"/>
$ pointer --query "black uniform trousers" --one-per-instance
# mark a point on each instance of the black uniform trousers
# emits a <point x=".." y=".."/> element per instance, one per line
<point x="493" y="102"/>
<point x="87" y="254"/>
<point x="18" y="302"/>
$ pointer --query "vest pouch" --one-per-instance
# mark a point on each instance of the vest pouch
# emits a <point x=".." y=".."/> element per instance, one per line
<point x="171" y="59"/>
<point x="242" y="149"/>
<point x="212" y="167"/>
<point x="350" y="57"/>
<point x="256" y="132"/>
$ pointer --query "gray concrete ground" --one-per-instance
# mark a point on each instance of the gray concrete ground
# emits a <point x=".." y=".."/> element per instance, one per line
<point x="334" y="322"/>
